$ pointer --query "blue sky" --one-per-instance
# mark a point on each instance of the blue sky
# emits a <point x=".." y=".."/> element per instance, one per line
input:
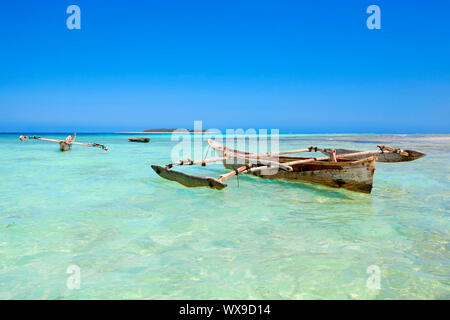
<point x="300" y="66"/>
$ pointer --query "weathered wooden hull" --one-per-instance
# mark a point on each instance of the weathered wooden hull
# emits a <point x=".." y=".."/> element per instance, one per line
<point x="352" y="175"/>
<point x="64" y="146"/>
<point x="355" y="175"/>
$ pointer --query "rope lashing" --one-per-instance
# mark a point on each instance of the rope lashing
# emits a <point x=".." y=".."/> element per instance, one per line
<point x="203" y="163"/>
<point x="207" y="151"/>
<point x="247" y="167"/>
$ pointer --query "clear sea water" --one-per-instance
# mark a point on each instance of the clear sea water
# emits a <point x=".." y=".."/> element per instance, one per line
<point x="137" y="236"/>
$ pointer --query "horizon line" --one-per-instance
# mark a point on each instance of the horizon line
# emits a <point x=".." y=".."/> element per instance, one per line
<point x="143" y="132"/>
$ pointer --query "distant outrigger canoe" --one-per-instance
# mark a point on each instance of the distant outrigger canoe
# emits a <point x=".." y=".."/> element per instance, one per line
<point x="341" y="168"/>
<point x="65" y="145"/>
<point x="145" y="140"/>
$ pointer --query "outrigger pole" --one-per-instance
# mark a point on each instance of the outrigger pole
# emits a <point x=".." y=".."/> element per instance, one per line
<point x="65" y="145"/>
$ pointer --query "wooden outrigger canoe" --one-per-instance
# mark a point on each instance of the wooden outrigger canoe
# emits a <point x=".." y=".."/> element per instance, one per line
<point x="351" y="174"/>
<point x="65" y="145"/>
<point x="348" y="169"/>
<point x="145" y="140"/>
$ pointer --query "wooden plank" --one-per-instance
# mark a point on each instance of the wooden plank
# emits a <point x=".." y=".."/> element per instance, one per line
<point x="235" y="172"/>
<point x="401" y="152"/>
<point x="383" y="156"/>
<point x="333" y="155"/>
<point x="24" y="138"/>
<point x="189" y="162"/>
<point x="273" y="154"/>
<point x="95" y="145"/>
<point x="257" y="160"/>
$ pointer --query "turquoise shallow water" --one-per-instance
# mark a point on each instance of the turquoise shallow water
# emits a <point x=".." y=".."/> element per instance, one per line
<point x="135" y="235"/>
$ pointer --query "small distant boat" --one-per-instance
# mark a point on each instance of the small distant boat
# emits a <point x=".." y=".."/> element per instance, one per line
<point x="65" y="145"/>
<point x="349" y="169"/>
<point x="145" y="140"/>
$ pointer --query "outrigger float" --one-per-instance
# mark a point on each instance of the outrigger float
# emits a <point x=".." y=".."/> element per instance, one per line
<point x="339" y="168"/>
<point x="65" y="145"/>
